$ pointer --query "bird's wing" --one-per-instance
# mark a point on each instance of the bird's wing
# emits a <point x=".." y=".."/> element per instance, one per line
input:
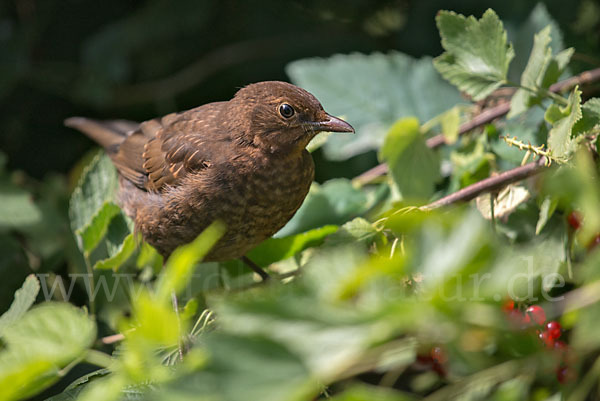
<point x="163" y="151"/>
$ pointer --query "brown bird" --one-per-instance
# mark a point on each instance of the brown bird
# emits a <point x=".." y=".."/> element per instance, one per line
<point x="242" y="161"/>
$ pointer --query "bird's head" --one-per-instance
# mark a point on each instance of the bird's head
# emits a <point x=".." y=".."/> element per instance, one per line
<point x="282" y="117"/>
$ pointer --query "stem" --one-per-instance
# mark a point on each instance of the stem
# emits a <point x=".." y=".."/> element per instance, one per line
<point x="98" y="358"/>
<point x="541" y="92"/>
<point x="493" y="217"/>
<point x="90" y="273"/>
<point x="176" y="309"/>
<point x="490" y="184"/>
<point x="485" y="117"/>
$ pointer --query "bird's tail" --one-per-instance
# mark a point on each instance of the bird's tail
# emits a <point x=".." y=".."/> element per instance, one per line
<point x="108" y="134"/>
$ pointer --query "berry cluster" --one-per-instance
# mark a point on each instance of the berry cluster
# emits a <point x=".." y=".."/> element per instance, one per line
<point x="575" y="220"/>
<point x="549" y="333"/>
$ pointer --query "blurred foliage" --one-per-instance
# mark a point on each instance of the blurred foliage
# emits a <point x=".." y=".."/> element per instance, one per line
<point x="366" y="286"/>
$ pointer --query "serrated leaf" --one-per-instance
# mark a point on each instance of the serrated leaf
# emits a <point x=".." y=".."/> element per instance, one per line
<point x="46" y="339"/>
<point x="477" y="55"/>
<point x="276" y="249"/>
<point x="590" y="117"/>
<point x="559" y="138"/>
<point x="357" y="230"/>
<point x="24" y="298"/>
<point x="415" y="168"/>
<point x="372" y="92"/>
<point x="534" y="72"/>
<point x="92" y="202"/>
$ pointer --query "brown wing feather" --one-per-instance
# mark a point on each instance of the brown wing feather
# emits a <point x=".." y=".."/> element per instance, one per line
<point x="163" y="151"/>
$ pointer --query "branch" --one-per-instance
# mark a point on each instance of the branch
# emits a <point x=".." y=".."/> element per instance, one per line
<point x="483" y="118"/>
<point x="491" y="184"/>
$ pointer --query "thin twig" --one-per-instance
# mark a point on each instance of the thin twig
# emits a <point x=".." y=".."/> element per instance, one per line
<point x="490" y="184"/>
<point x="112" y="338"/>
<point x="483" y="118"/>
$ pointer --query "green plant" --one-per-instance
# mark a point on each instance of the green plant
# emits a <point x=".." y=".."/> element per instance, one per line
<point x="386" y="288"/>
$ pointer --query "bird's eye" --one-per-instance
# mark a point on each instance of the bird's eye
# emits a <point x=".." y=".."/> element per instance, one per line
<point x="286" y="110"/>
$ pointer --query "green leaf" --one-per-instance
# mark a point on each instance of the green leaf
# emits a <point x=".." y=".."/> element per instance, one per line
<point x="477" y="55"/>
<point x="542" y="70"/>
<point x="276" y="249"/>
<point x="371" y="92"/>
<point x="415" y="168"/>
<point x="590" y="117"/>
<point x="181" y="263"/>
<point x="365" y="392"/>
<point x="244" y="368"/>
<point x="334" y="202"/>
<point x="522" y="38"/>
<point x="534" y="72"/>
<point x="357" y="230"/>
<point x="450" y="122"/>
<point x="122" y="254"/>
<point x="547" y="209"/>
<point x="554" y="113"/>
<point x="91" y="235"/>
<point x="24" y="298"/>
<point x="92" y="202"/>
<point x="18" y="208"/>
<point x="45" y="340"/>
<point x="559" y="138"/>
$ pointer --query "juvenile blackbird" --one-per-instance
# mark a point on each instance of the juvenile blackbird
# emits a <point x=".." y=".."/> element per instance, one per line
<point x="242" y="161"/>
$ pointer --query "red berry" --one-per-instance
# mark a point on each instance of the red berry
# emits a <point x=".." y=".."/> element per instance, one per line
<point x="574" y="220"/>
<point x="594" y="242"/>
<point x="439" y="355"/>
<point x="546" y="339"/>
<point x="537" y="314"/>
<point x="517" y="319"/>
<point x="554" y="330"/>
<point x="508" y="306"/>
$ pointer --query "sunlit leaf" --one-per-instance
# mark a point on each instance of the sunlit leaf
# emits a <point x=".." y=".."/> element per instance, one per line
<point x="414" y="167"/>
<point x="46" y="339"/>
<point x="477" y="55"/>
<point x="92" y="202"/>
<point x="560" y="142"/>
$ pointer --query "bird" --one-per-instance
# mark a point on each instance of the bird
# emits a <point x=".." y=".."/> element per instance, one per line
<point x="242" y="161"/>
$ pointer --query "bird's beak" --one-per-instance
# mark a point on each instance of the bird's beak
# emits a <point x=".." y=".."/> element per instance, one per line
<point x="334" y="124"/>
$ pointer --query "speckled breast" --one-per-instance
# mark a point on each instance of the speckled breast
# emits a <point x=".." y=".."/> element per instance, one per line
<point x="261" y="202"/>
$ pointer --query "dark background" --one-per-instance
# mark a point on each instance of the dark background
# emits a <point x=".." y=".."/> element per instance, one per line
<point x="139" y="59"/>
